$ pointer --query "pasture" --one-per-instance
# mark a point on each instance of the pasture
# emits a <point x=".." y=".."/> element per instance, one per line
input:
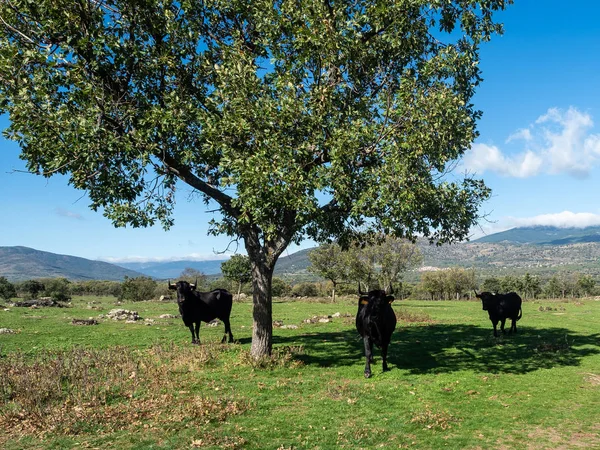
<point x="451" y="385"/>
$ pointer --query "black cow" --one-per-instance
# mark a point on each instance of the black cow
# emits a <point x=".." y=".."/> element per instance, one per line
<point x="375" y="322"/>
<point x="196" y="307"/>
<point x="501" y="307"/>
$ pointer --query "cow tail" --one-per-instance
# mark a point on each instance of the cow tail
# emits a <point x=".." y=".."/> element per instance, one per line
<point x="520" y="313"/>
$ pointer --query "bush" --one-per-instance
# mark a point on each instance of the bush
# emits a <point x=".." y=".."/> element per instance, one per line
<point x="30" y="288"/>
<point x="138" y="289"/>
<point x="58" y="289"/>
<point x="280" y="288"/>
<point x="305" y="290"/>
<point x="7" y="289"/>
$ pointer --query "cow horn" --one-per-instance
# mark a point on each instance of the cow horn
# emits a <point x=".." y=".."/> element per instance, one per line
<point x="171" y="286"/>
<point x="193" y="286"/>
<point x="360" y="292"/>
<point x="390" y="289"/>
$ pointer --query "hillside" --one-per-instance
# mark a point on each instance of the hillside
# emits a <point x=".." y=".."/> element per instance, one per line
<point x="294" y="263"/>
<point x="537" y="250"/>
<point x="172" y="269"/>
<point x="544" y="235"/>
<point x="23" y="263"/>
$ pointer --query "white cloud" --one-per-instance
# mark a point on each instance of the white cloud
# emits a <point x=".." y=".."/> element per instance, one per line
<point x="68" y="214"/>
<point x="565" y="219"/>
<point x="559" y="141"/>
<point x="484" y="157"/>
<point x="144" y="259"/>
<point x="523" y="133"/>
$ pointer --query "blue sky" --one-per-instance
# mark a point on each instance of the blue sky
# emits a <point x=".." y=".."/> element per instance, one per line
<point x="539" y="151"/>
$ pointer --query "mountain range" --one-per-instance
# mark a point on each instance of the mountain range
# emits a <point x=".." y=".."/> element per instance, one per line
<point x="23" y="263"/>
<point x="545" y="235"/>
<point x="541" y="250"/>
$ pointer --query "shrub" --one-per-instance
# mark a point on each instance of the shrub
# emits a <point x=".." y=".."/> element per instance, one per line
<point x="280" y="288"/>
<point x="305" y="290"/>
<point x="58" y="289"/>
<point x="7" y="289"/>
<point x="138" y="289"/>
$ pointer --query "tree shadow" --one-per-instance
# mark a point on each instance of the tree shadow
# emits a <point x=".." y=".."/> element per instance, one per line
<point x="444" y="348"/>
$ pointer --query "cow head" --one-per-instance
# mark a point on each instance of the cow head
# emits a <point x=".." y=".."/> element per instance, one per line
<point x="183" y="289"/>
<point x="488" y="300"/>
<point x="376" y="295"/>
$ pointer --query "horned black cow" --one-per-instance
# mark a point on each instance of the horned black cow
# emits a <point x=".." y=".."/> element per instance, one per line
<point x="196" y="307"/>
<point x="375" y="322"/>
<point x="501" y="307"/>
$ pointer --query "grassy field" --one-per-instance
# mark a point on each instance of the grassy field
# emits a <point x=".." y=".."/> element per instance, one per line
<point x="451" y="385"/>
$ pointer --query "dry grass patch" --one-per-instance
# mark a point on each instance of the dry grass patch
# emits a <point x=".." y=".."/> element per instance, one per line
<point x="283" y="357"/>
<point x="71" y="392"/>
<point x="430" y="420"/>
<point x="413" y="317"/>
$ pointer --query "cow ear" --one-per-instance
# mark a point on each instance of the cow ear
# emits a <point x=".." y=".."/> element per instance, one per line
<point x="390" y="298"/>
<point x="364" y="300"/>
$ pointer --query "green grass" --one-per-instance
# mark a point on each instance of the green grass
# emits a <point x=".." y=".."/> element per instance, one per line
<point x="451" y="383"/>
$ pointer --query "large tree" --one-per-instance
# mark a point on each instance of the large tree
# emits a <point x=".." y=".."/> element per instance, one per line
<point x="293" y="118"/>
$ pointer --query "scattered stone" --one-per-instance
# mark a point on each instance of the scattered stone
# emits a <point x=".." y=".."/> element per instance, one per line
<point x="168" y="316"/>
<point x="89" y="321"/>
<point x="213" y="323"/>
<point x="7" y="331"/>
<point x="337" y="314"/>
<point x="124" y="314"/>
<point x="149" y="321"/>
<point x="324" y="320"/>
<point x="36" y="303"/>
<point x="278" y="323"/>
<point x="289" y="327"/>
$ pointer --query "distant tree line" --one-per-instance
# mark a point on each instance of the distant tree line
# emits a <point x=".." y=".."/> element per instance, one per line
<point x="447" y="284"/>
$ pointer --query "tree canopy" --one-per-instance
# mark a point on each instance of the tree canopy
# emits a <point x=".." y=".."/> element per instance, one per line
<point x="293" y="118"/>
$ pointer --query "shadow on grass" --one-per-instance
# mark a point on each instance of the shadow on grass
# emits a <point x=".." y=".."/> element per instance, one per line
<point x="443" y="348"/>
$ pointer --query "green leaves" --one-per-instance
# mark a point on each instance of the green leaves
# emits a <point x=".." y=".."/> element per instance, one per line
<point x="295" y="117"/>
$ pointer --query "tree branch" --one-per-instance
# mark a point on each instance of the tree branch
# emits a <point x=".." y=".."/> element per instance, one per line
<point x="184" y="173"/>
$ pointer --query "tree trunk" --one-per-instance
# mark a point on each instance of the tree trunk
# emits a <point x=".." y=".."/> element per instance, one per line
<point x="333" y="294"/>
<point x="262" y="314"/>
<point x="263" y="257"/>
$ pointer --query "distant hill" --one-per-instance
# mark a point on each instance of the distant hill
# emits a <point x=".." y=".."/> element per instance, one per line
<point x="290" y="264"/>
<point x="172" y="269"/>
<point x="544" y="235"/>
<point x="23" y="263"/>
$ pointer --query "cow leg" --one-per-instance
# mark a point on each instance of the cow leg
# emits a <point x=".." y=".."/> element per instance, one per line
<point x="227" y="331"/>
<point x="495" y="322"/>
<point x="502" y="322"/>
<point x="191" y="327"/>
<point x="198" y="332"/>
<point x="368" y="356"/>
<point x="384" y="349"/>
<point x="513" y="326"/>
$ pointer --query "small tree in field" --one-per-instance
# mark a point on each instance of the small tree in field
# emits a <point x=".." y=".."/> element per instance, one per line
<point x="293" y="119"/>
<point x="381" y="260"/>
<point x="330" y="262"/>
<point x="137" y="289"/>
<point x="7" y="289"/>
<point x="58" y="289"/>
<point x="32" y="288"/>
<point x="193" y="276"/>
<point x="239" y="269"/>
